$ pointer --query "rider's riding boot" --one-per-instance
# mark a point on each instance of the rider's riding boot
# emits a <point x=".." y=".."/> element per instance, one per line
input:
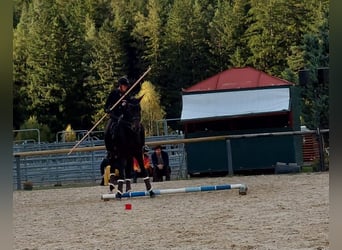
<point x="149" y="186"/>
<point x="120" y="189"/>
<point x="111" y="182"/>
<point x="128" y="185"/>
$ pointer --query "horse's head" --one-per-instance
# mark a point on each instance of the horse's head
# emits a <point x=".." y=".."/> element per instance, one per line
<point x="132" y="113"/>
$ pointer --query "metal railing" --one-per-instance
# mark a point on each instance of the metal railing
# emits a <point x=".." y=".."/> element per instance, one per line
<point x="28" y="130"/>
<point x="49" y="163"/>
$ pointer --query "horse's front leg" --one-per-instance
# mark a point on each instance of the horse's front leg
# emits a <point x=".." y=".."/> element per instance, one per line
<point x="128" y="173"/>
<point x="113" y="176"/>
<point x="121" y="177"/>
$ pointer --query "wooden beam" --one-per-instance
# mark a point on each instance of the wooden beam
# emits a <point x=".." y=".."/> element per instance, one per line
<point x="168" y="142"/>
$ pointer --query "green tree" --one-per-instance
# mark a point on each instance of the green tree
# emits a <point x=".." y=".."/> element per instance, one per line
<point x="228" y="44"/>
<point x="106" y="66"/>
<point x="45" y="76"/>
<point x="199" y="41"/>
<point x="310" y="52"/>
<point x="20" y="54"/>
<point x="28" y="134"/>
<point x="184" y="52"/>
<point x="268" y="40"/>
<point x="68" y="54"/>
<point x="78" y="109"/>
<point x="97" y="10"/>
<point x="56" y="67"/>
<point x="123" y="23"/>
<point x="148" y="34"/>
<point x="315" y="101"/>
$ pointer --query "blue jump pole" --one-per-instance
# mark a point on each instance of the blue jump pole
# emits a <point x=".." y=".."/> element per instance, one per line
<point x="242" y="190"/>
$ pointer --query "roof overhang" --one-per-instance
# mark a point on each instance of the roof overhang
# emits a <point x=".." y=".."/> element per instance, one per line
<point x="216" y="105"/>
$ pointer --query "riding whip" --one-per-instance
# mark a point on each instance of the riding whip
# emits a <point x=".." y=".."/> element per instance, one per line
<point x="111" y="108"/>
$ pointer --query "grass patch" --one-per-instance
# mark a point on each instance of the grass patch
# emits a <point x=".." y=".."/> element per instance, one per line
<point x="307" y="169"/>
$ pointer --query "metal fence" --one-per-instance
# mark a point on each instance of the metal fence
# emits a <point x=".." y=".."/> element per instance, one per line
<point x="78" y="167"/>
<point x="46" y="166"/>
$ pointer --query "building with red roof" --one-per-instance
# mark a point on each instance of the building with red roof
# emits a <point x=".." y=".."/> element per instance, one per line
<point x="238" y="78"/>
<point x="240" y="101"/>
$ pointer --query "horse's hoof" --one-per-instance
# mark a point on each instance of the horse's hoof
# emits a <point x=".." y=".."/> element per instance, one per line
<point x="152" y="194"/>
<point x="118" y="196"/>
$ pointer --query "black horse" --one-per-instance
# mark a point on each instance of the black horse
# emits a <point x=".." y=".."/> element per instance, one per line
<point x="127" y="141"/>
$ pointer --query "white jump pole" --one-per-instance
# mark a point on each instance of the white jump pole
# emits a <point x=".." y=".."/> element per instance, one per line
<point x="242" y="191"/>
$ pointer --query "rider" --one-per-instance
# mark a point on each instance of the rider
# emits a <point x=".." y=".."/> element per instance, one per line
<point x="114" y="114"/>
<point x="110" y="134"/>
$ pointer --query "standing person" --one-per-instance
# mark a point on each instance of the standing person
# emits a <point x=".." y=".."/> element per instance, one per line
<point x="147" y="165"/>
<point x="116" y="112"/>
<point x="160" y="162"/>
<point x="105" y="162"/>
<point x="104" y="170"/>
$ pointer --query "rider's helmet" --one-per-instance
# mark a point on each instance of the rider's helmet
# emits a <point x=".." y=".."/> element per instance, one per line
<point x="123" y="81"/>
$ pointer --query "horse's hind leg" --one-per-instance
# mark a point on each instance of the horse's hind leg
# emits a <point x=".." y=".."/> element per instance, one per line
<point x="113" y="176"/>
<point x="121" y="178"/>
<point x="128" y="185"/>
<point x="112" y="181"/>
<point x="148" y="185"/>
<point x="120" y="189"/>
<point x="128" y="174"/>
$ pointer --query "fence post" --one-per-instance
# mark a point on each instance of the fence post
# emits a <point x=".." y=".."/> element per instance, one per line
<point x="17" y="160"/>
<point x="93" y="158"/>
<point x="229" y="156"/>
<point x="321" y="154"/>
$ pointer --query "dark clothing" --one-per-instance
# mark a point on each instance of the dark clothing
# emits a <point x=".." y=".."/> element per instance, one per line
<point x="113" y="97"/>
<point x="115" y="113"/>
<point x="165" y="171"/>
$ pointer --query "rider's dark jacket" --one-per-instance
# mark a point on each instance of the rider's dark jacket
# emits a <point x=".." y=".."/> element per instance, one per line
<point x="113" y="97"/>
